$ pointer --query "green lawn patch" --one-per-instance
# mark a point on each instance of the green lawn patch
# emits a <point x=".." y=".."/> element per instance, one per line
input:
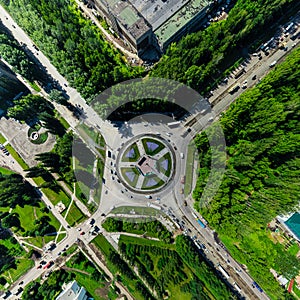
<point x="75" y="216"/>
<point x="34" y="86"/>
<point x="136" y="177"/>
<point x="5" y="171"/>
<point x="131" y="283"/>
<point x="2" y="139"/>
<point x="148" y="150"/>
<point x="296" y="290"/>
<point x="103" y="245"/>
<point x="56" y="197"/>
<point x="157" y="185"/>
<point x="294" y="249"/>
<point x="88" y="132"/>
<point x="161" y="169"/>
<point x="63" y="122"/>
<point x="27" y="216"/>
<point x="23" y="265"/>
<point x="61" y="236"/>
<point x="135" y="155"/>
<point x="189" y="168"/>
<point x="16" y="156"/>
<point x="141" y="241"/>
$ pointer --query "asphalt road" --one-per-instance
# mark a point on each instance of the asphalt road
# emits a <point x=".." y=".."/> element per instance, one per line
<point x="171" y="196"/>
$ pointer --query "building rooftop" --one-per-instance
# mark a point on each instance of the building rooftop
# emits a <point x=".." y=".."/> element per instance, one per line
<point x="72" y="291"/>
<point x="180" y="19"/>
<point x="156" y="12"/>
<point x="129" y="17"/>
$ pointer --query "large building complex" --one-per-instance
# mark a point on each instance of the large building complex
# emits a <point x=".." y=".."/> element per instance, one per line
<point x="144" y="23"/>
<point x="72" y="291"/>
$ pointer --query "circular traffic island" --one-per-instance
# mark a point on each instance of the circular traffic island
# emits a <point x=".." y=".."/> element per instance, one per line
<point x="146" y="164"/>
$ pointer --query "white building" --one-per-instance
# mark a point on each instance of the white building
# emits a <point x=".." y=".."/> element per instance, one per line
<point x="73" y="291"/>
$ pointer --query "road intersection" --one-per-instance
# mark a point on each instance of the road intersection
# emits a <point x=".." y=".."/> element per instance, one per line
<point x="171" y="198"/>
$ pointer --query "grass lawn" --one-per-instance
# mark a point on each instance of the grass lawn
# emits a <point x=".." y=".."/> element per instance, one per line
<point x="157" y="185"/>
<point x="296" y="290"/>
<point x="135" y="179"/>
<point x="56" y="197"/>
<point x="2" y="139"/>
<point x="75" y="216"/>
<point x="16" y="156"/>
<point x="161" y="169"/>
<point x="141" y="241"/>
<point x="23" y="265"/>
<point x="88" y="132"/>
<point x="103" y="245"/>
<point x="27" y="215"/>
<point x="63" y="122"/>
<point x="90" y="284"/>
<point x="155" y="151"/>
<point x="6" y="171"/>
<point x="100" y="170"/>
<point x="135" y="156"/>
<point x="294" y="249"/>
<point x="189" y="168"/>
<point x="61" y="236"/>
<point x="135" y="231"/>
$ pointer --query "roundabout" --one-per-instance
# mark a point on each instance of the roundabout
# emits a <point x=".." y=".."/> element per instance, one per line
<point x="146" y="163"/>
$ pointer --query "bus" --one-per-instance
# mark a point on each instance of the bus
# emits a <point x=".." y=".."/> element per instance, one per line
<point x="201" y="223"/>
<point x="174" y="124"/>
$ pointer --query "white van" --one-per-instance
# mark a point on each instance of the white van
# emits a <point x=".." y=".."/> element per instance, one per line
<point x="181" y="155"/>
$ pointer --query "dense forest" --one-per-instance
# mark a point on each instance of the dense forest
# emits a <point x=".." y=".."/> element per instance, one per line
<point x="165" y="269"/>
<point x="200" y="59"/>
<point x="72" y="43"/>
<point x="262" y="176"/>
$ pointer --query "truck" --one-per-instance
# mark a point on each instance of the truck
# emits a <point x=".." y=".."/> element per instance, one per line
<point x="224" y="273"/>
<point x="234" y="89"/>
<point x="201" y="223"/>
<point x="237" y="287"/>
<point x="194" y="215"/>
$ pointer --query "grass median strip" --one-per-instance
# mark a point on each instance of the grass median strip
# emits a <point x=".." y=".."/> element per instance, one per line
<point x="2" y="139"/>
<point x="16" y="156"/>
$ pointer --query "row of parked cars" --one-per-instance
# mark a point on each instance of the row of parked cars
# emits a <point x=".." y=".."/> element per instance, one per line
<point x="4" y="150"/>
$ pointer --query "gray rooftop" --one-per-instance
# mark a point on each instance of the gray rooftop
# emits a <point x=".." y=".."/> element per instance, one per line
<point x="156" y="12"/>
<point x="129" y="17"/>
<point x="180" y="19"/>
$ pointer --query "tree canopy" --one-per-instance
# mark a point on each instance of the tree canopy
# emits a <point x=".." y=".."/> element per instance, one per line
<point x="262" y="177"/>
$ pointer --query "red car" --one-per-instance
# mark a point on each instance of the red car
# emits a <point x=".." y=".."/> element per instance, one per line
<point x="49" y="264"/>
<point x="82" y="233"/>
